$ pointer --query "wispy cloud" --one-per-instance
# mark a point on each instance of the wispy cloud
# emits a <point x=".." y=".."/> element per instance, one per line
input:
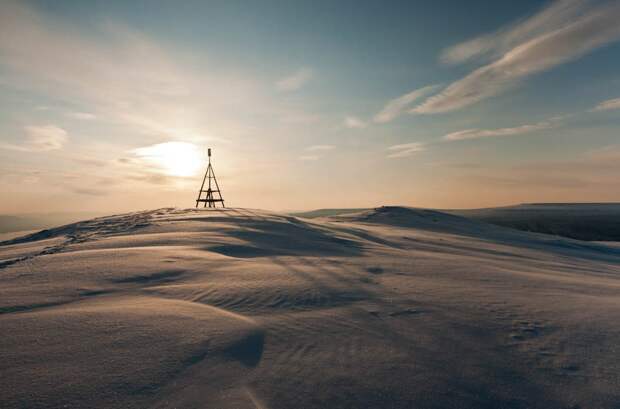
<point x="562" y="36"/>
<point x="355" y="122"/>
<point x="88" y="191"/>
<point x="40" y="139"/>
<point x="152" y="178"/>
<point x="296" y="80"/>
<point x="315" y="148"/>
<point x="397" y="106"/>
<point x="607" y="154"/>
<point x="48" y="52"/>
<point x="124" y="76"/>
<point x="486" y="133"/>
<point x="608" y="105"/>
<point x="121" y="72"/>
<point x="298" y="117"/>
<point x="405" y="149"/>
<point x="552" y="17"/>
<point x="595" y="169"/>
<point x="316" y="152"/>
<point x="91" y="162"/>
<point x="534" y="179"/>
<point x="87" y="116"/>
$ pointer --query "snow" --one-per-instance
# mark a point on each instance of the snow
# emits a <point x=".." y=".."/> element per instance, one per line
<point x="238" y="308"/>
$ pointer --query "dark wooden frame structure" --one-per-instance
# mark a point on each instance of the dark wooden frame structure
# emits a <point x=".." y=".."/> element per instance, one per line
<point x="209" y="200"/>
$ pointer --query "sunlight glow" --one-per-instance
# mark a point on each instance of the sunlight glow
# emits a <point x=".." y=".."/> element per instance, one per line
<point x="181" y="159"/>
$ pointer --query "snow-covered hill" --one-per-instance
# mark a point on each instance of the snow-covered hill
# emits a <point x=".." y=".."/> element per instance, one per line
<point x="236" y="308"/>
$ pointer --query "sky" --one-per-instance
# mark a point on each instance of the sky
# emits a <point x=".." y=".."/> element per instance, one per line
<point x="110" y="106"/>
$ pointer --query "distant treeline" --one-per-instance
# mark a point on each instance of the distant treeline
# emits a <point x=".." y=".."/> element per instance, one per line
<point x="581" y="221"/>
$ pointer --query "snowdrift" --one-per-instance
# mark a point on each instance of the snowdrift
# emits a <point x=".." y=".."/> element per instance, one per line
<point x="232" y="308"/>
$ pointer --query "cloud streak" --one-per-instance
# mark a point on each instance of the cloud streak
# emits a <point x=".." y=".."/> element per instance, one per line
<point x="314" y="152"/>
<point x="610" y="104"/>
<point x="397" y="106"/>
<point x="125" y="77"/>
<point x="354" y="122"/>
<point x="86" y="116"/>
<point x="322" y="148"/>
<point x="296" y="80"/>
<point x="486" y="133"/>
<point x="405" y="149"/>
<point x="40" y="139"/>
<point x="565" y="40"/>
<point x="494" y="44"/>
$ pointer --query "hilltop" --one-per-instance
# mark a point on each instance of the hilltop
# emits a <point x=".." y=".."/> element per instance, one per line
<point x="581" y="221"/>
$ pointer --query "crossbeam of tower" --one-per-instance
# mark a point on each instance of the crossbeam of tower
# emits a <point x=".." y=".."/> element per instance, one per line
<point x="209" y="199"/>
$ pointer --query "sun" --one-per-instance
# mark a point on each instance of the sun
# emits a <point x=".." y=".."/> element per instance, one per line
<point x="180" y="159"/>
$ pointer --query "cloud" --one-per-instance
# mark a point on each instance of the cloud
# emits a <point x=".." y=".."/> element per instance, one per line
<point x="121" y="72"/>
<point x="552" y="17"/>
<point x="88" y="191"/>
<point x="598" y="167"/>
<point x="119" y="64"/>
<point x="567" y="39"/>
<point x="19" y="176"/>
<point x="354" y="122"/>
<point x="152" y="178"/>
<point x="300" y="118"/>
<point x="45" y="138"/>
<point x="82" y="115"/>
<point x="607" y="154"/>
<point x="125" y="77"/>
<point x="608" y="105"/>
<point x="396" y="106"/>
<point x="90" y="162"/>
<point x="485" y="133"/>
<point x="40" y="139"/>
<point x="405" y="149"/>
<point x="315" y="148"/>
<point x="296" y="80"/>
<point x="527" y="180"/>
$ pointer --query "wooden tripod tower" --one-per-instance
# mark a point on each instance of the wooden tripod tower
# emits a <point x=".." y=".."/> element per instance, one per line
<point x="209" y="200"/>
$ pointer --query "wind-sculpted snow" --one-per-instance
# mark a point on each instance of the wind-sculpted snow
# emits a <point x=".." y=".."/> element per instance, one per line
<point x="236" y="308"/>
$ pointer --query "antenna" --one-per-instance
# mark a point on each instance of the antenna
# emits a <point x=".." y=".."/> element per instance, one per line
<point x="209" y="200"/>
